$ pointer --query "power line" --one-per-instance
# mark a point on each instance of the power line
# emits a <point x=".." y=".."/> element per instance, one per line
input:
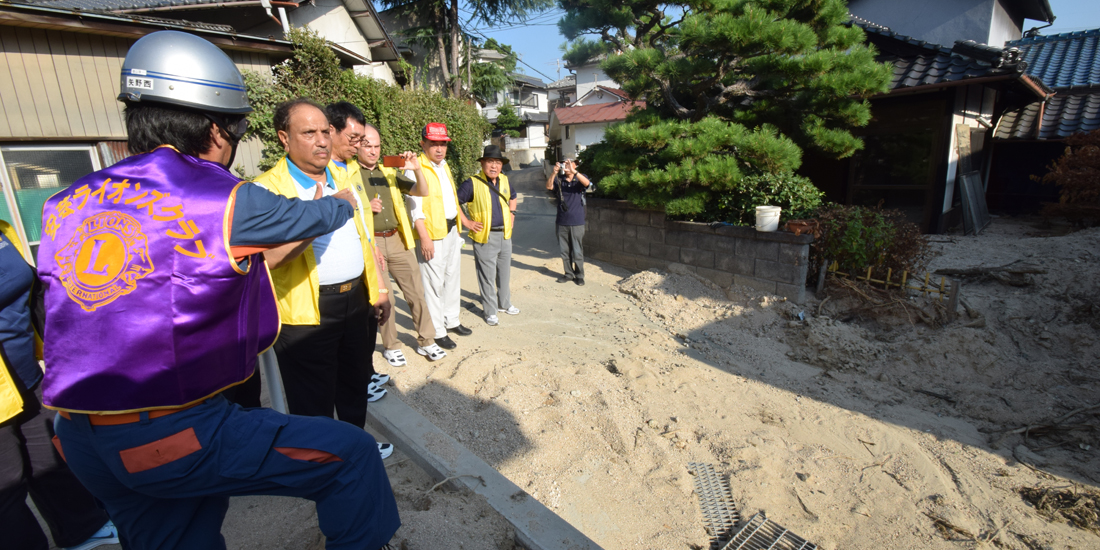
<point x="528" y="65"/>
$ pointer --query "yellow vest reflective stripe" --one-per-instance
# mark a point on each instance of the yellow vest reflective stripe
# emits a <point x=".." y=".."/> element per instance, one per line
<point x="11" y="403"/>
<point x="481" y="208"/>
<point x="432" y="205"/>
<point x="297" y="282"/>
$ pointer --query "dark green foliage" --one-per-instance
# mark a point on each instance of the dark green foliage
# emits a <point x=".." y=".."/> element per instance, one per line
<point x="734" y="90"/>
<point x="858" y="237"/>
<point x="796" y="195"/>
<point x="314" y="71"/>
<point x="507" y="119"/>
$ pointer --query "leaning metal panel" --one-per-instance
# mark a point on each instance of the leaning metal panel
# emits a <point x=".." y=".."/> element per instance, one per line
<point x="716" y="501"/>
<point x="761" y="534"/>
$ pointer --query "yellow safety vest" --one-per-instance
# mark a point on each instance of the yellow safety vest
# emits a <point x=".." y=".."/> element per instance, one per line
<point x="11" y="403"/>
<point x="481" y="208"/>
<point x="435" y="221"/>
<point x="297" y="284"/>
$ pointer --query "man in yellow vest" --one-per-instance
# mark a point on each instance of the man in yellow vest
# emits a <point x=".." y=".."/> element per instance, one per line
<point x="393" y="235"/>
<point x="492" y="204"/>
<point x="327" y="288"/>
<point x="436" y="218"/>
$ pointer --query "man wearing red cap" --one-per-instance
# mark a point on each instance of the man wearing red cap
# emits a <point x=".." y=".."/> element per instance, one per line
<point x="436" y="217"/>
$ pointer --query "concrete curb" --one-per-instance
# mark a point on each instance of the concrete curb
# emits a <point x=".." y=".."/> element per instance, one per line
<point x="537" y="528"/>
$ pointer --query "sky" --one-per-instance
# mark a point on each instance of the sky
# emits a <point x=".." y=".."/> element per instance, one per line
<point x="538" y="41"/>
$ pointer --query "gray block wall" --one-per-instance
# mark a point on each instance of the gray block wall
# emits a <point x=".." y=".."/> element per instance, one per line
<point x="773" y="262"/>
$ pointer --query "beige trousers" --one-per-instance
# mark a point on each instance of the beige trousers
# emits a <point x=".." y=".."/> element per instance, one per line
<point x="402" y="267"/>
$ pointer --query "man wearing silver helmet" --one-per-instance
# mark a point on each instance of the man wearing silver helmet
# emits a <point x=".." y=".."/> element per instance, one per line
<point x="157" y="300"/>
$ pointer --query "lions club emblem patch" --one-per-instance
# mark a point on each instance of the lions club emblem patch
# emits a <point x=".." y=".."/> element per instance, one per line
<point x="103" y="260"/>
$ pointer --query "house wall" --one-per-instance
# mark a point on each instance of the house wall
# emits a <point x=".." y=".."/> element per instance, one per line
<point x="428" y="74"/>
<point x="597" y="98"/>
<point x="589" y="76"/>
<point x="773" y="262"/>
<point x="330" y="18"/>
<point x="942" y="21"/>
<point x="973" y="105"/>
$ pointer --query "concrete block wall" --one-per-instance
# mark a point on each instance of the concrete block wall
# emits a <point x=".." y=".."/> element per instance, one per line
<point x="624" y="235"/>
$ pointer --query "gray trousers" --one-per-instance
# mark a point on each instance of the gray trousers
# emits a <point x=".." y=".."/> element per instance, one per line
<point x="494" y="261"/>
<point x="570" y="238"/>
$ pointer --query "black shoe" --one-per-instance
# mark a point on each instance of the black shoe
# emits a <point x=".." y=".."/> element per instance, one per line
<point x="580" y="282"/>
<point x="460" y="330"/>
<point x="564" y="279"/>
<point x="446" y="342"/>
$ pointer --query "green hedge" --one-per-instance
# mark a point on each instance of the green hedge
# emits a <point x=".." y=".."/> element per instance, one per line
<point x="314" y="71"/>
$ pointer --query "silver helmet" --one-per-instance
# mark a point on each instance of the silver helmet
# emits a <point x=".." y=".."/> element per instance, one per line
<point x="182" y="69"/>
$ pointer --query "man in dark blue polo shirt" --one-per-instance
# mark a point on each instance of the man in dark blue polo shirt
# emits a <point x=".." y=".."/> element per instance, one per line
<point x="569" y="186"/>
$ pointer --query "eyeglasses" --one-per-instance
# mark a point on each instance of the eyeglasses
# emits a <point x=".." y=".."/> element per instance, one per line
<point x="354" y="140"/>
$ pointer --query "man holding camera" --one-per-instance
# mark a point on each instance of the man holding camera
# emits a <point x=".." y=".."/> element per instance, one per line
<point x="569" y="186"/>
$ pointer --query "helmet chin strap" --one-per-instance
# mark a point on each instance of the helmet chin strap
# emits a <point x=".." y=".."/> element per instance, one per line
<point x="232" y="155"/>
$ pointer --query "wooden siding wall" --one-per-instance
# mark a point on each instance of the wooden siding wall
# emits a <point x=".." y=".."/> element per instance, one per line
<point x="61" y="85"/>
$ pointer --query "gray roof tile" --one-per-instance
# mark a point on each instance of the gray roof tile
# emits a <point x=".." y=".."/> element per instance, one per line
<point x="1061" y="60"/>
<point x="1064" y="115"/>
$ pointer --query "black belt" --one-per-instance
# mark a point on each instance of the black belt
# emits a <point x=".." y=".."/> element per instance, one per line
<point x="389" y="233"/>
<point x="340" y="288"/>
<point x="451" y="223"/>
<point x="501" y="228"/>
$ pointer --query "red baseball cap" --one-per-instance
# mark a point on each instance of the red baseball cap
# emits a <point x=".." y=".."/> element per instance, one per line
<point x="435" y="131"/>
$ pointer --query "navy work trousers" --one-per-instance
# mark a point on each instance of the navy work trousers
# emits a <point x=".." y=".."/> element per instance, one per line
<point x="166" y="482"/>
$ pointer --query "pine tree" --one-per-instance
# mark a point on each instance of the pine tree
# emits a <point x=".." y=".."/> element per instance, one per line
<point x="507" y="119"/>
<point x="734" y="89"/>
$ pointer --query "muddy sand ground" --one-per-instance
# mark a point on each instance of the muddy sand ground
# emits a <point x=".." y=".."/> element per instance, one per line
<point x="852" y="431"/>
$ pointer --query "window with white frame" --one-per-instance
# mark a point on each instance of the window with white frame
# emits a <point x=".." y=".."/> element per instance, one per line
<point x="30" y="174"/>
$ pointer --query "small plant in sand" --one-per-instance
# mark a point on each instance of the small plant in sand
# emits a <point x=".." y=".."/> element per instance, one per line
<point x="859" y="237"/>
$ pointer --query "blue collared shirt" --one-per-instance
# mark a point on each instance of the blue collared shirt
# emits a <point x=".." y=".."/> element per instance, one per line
<point x="305" y="181"/>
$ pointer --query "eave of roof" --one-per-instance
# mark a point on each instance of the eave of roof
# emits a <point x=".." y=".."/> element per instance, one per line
<point x="132" y="26"/>
<point x="1063" y="115"/>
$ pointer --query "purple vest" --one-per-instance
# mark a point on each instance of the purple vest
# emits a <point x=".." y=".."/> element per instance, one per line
<point x="145" y="307"/>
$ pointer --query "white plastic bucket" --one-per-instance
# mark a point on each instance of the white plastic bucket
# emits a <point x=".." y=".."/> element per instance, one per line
<point x="767" y="218"/>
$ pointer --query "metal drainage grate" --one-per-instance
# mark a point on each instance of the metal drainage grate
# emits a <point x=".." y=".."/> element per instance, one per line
<point x="761" y="534"/>
<point x="716" y="501"/>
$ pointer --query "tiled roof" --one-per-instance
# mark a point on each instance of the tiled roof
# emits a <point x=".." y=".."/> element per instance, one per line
<point x="1065" y="114"/>
<point x="1068" y="59"/>
<point x="566" y="82"/>
<point x="1069" y="63"/>
<point x="601" y="112"/>
<point x="936" y="69"/>
<point x="528" y="80"/>
<point x="614" y="91"/>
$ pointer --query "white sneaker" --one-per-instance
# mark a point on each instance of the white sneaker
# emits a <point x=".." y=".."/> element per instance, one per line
<point x="108" y="534"/>
<point x="375" y="392"/>
<point x="395" y="357"/>
<point x="511" y="310"/>
<point x="492" y="320"/>
<point x="432" y="351"/>
<point x="385" y="449"/>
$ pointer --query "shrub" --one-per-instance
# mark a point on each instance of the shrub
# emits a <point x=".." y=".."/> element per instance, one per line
<point x="314" y="71"/>
<point x="858" y="237"/>
<point x="795" y="194"/>
<point x="1077" y="175"/>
